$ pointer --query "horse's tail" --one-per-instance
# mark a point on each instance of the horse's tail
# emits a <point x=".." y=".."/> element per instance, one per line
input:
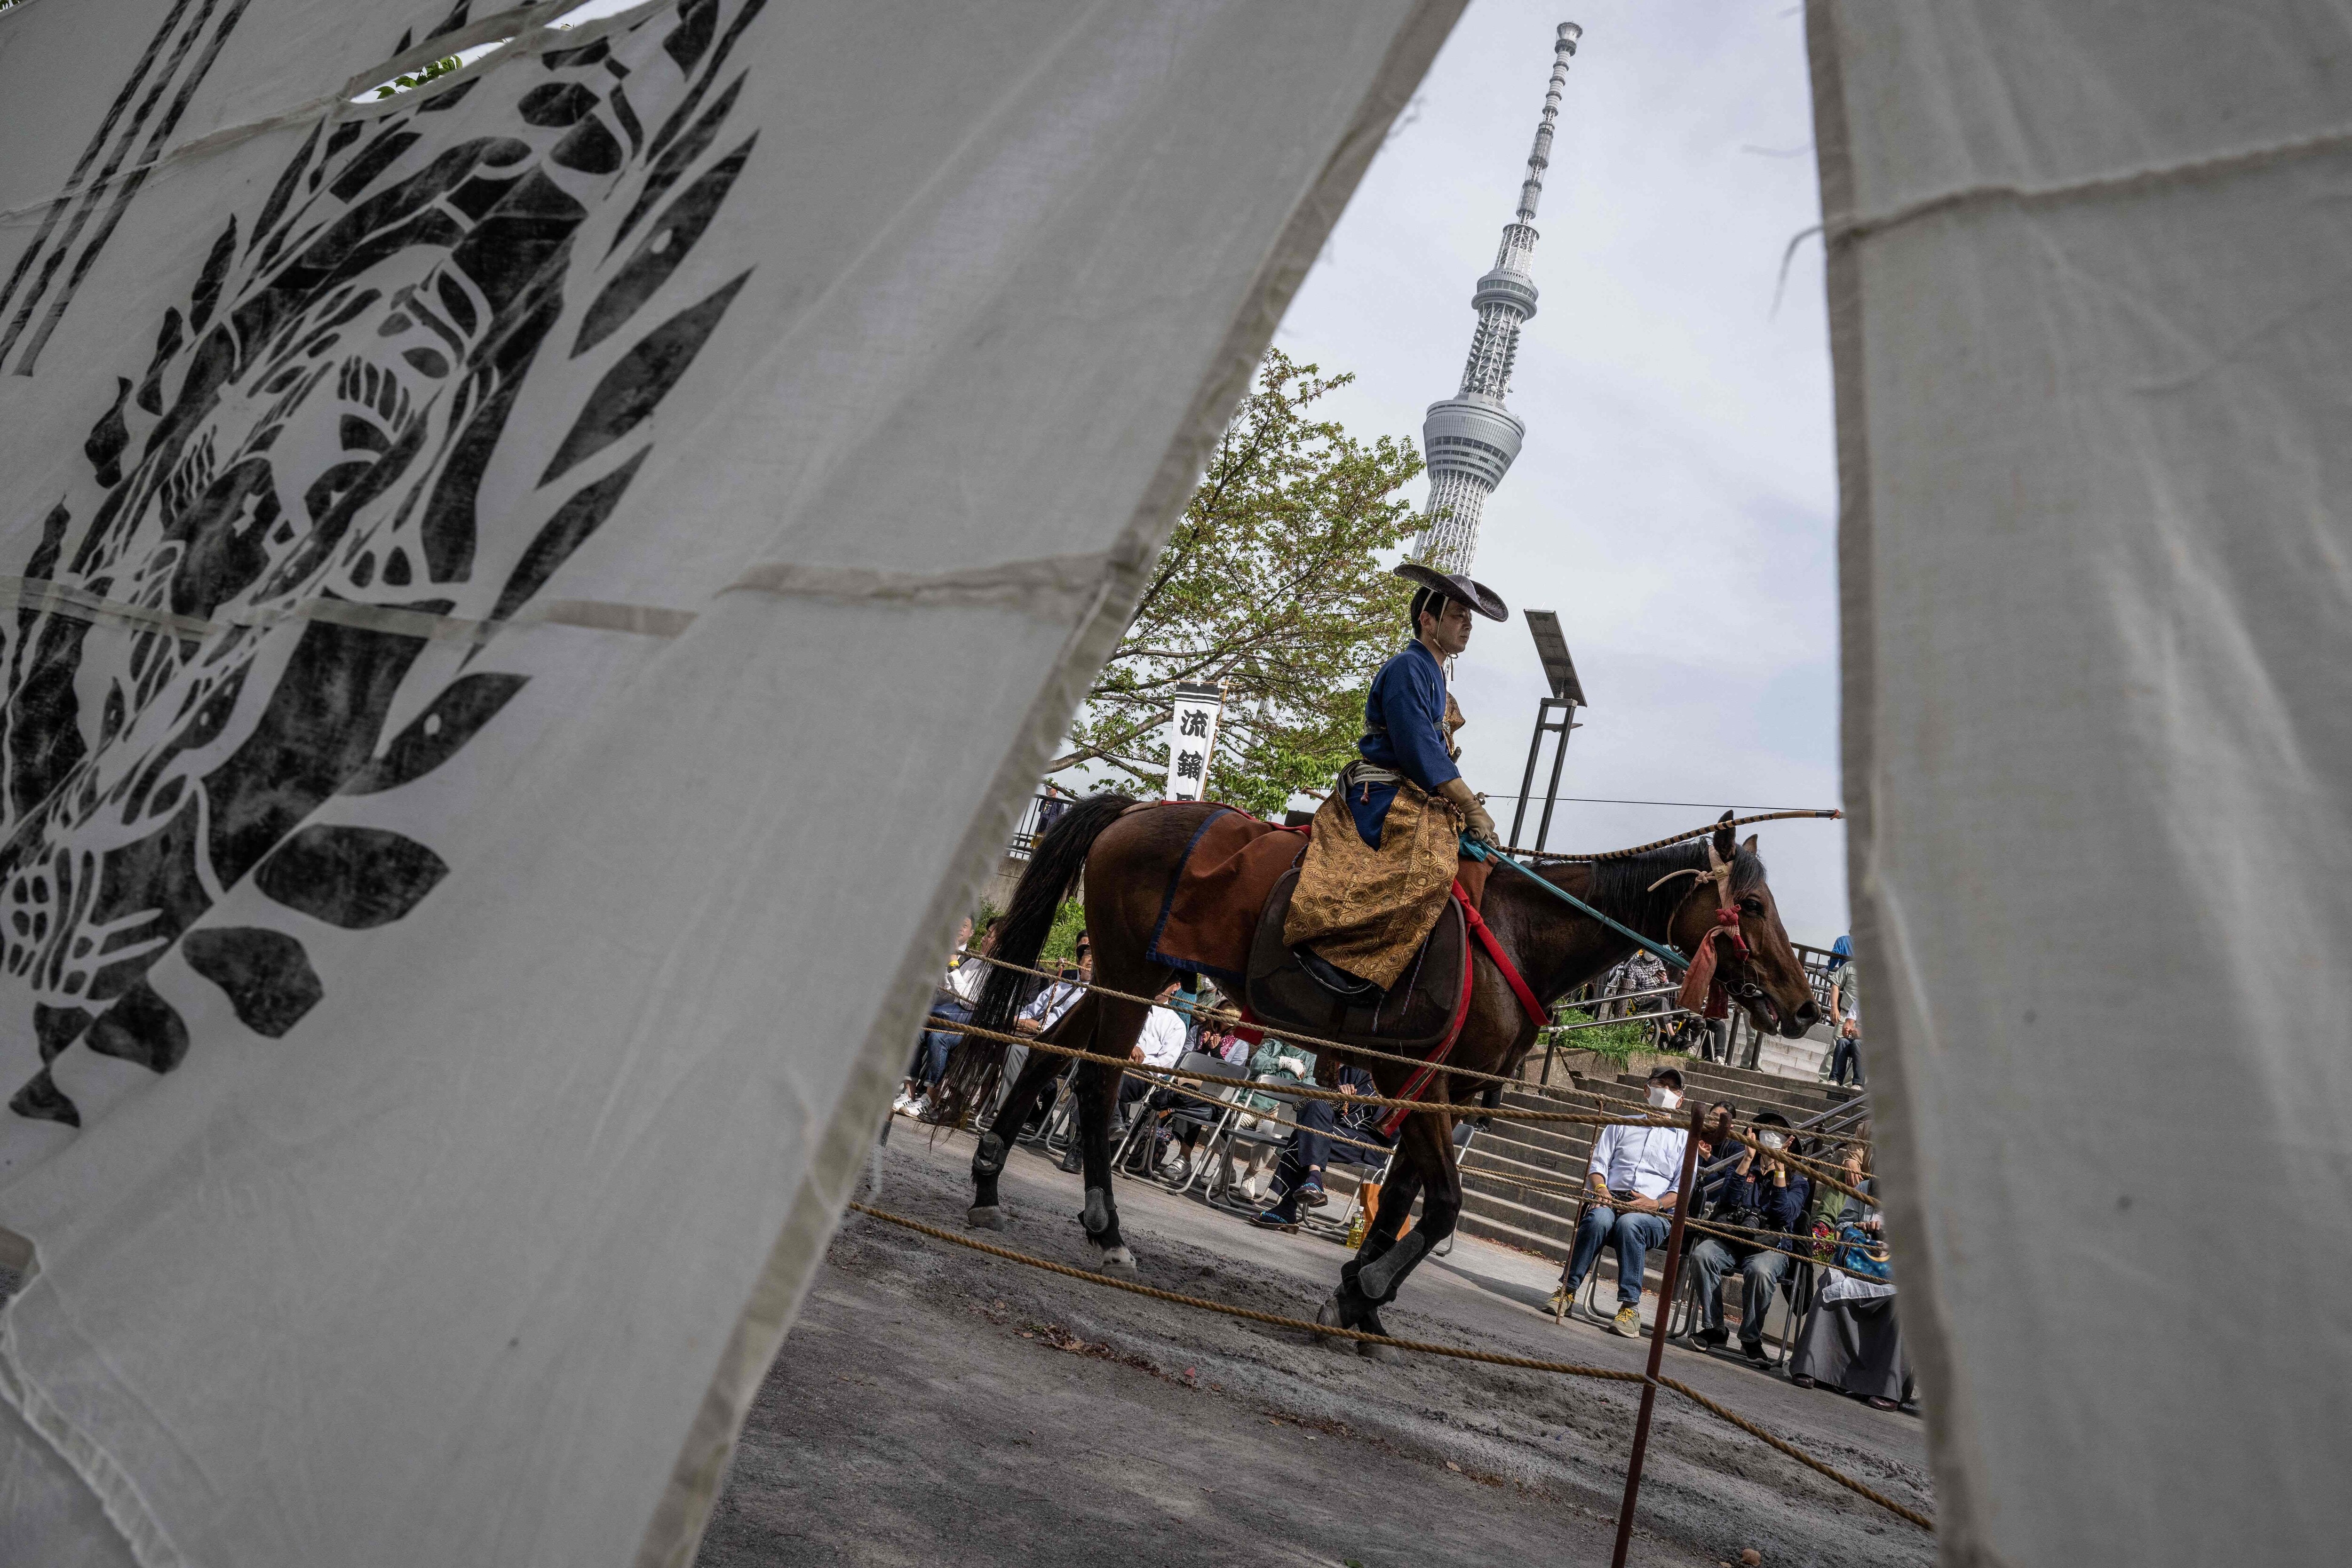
<point x="1019" y="934"/>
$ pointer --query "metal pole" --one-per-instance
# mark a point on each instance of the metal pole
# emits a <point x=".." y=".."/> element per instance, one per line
<point x="1543" y="830"/>
<point x="1657" y="1339"/>
<point x="1534" y="745"/>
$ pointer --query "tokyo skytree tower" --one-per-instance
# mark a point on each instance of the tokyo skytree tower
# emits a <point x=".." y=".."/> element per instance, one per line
<point x="1470" y="438"/>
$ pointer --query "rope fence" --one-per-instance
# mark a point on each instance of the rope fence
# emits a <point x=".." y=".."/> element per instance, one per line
<point x="1456" y="1353"/>
<point x="1227" y="1016"/>
<point x="1419" y="1107"/>
<point x="1309" y="1092"/>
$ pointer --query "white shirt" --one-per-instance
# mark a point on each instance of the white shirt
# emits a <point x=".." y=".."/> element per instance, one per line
<point x="1053" y="1002"/>
<point x="1163" y="1038"/>
<point x="1647" y="1160"/>
<point x="964" y="978"/>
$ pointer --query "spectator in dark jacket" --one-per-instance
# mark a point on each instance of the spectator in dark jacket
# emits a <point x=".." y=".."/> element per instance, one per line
<point x="1298" y="1177"/>
<point x="1762" y="1207"/>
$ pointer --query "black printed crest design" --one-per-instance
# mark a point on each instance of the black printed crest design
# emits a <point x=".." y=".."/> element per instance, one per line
<point x="419" y="374"/>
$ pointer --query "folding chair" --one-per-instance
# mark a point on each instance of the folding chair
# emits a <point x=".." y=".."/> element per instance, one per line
<point x="1349" y="1154"/>
<point x="1591" y="1301"/>
<point x="1263" y="1134"/>
<point x="1147" y="1122"/>
<point x="1062" y="1121"/>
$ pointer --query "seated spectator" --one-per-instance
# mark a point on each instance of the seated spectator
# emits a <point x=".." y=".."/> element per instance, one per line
<point x="1714" y="1139"/>
<point x="1298" y="1177"/>
<point x="1764" y="1202"/>
<point x="1277" y="1064"/>
<point x="1633" y="1177"/>
<point x="1851" y="1340"/>
<point x="958" y="990"/>
<point x="1045" y="1010"/>
<point x="1846" y="1054"/>
<point x="1828" y="1206"/>
<point x="1161" y="1045"/>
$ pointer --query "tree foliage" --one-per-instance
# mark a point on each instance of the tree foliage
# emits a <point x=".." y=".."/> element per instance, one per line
<point x="1273" y="585"/>
<point x="432" y="70"/>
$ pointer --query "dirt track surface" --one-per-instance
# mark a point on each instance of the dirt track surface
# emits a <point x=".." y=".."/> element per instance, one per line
<point x="937" y="1406"/>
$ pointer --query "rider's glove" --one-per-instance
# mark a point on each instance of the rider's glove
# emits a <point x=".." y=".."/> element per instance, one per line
<point x="1475" y="822"/>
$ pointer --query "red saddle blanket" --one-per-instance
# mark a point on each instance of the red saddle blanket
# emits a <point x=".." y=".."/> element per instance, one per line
<point x="1211" y="908"/>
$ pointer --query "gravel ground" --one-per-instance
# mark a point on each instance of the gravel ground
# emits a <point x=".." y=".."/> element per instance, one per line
<point x="937" y="1406"/>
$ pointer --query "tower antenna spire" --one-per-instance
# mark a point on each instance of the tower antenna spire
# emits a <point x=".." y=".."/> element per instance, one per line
<point x="1470" y="440"/>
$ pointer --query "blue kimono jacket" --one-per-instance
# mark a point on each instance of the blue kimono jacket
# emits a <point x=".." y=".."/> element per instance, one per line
<point x="1404" y="731"/>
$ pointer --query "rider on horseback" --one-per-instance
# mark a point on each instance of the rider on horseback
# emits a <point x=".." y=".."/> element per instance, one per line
<point x="1382" y="856"/>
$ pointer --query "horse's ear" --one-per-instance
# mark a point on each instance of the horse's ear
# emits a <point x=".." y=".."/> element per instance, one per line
<point x="1723" y="840"/>
<point x="1751" y="845"/>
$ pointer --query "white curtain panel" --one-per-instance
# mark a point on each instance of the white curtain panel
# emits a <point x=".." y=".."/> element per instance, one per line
<point x="530" y="603"/>
<point x="2090" y="302"/>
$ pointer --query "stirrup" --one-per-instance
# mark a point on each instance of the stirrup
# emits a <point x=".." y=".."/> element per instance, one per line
<point x="1333" y="978"/>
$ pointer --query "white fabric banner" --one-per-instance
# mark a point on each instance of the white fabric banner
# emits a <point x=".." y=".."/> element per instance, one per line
<point x="1192" y="740"/>
<point x="532" y="605"/>
<point x="2094" y="380"/>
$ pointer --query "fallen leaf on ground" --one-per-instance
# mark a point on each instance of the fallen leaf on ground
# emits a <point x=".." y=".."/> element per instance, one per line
<point x="1455" y="1468"/>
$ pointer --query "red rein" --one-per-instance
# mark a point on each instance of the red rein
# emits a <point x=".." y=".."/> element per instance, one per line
<point x="1699" y="983"/>
<point x="1493" y="949"/>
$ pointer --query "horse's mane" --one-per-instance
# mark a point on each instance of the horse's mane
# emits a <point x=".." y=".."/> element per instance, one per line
<point x="1625" y="888"/>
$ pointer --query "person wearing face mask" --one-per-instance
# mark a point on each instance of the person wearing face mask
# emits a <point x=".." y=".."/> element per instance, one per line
<point x="1762" y="1206"/>
<point x="1633" y="1175"/>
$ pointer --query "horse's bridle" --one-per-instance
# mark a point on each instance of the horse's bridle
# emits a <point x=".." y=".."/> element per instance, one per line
<point x="1749" y="994"/>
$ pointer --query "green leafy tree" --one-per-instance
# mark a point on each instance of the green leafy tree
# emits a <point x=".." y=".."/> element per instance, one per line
<point x="1272" y="584"/>
<point x="432" y="70"/>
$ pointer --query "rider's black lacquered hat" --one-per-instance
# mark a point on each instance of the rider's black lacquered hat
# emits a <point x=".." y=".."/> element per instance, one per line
<point x="1455" y="585"/>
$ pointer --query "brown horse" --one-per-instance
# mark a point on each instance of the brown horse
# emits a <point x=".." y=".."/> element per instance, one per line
<point x="1128" y="854"/>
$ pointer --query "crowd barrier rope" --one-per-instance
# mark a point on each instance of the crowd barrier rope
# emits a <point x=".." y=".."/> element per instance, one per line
<point x="1419" y="1107"/>
<point x="1227" y="1016"/>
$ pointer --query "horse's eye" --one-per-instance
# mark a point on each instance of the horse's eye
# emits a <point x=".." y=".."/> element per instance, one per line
<point x="1751" y="906"/>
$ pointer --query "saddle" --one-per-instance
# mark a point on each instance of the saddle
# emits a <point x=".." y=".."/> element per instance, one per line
<point x="1415" y="1014"/>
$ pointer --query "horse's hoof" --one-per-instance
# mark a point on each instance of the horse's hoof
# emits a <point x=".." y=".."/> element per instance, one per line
<point x="985" y="1216"/>
<point x="1119" y="1263"/>
<point x="1328" y="1314"/>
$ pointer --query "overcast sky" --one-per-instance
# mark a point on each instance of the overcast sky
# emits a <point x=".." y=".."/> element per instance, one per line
<point x="1675" y="501"/>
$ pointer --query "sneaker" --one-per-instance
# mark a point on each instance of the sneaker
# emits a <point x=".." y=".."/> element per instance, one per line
<point x="1074" y="1161"/>
<point x="1274" y="1219"/>
<point x="1556" y="1305"/>
<point x="1312" y="1194"/>
<point x="900" y="1104"/>
<point x="1712" y="1339"/>
<point x="1628" y="1322"/>
<point x="1754" y="1351"/>
<point x="1180" y="1175"/>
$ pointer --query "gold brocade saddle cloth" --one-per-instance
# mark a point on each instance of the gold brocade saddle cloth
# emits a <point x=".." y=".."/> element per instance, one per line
<point x="1369" y="909"/>
<point x="1417" y="1013"/>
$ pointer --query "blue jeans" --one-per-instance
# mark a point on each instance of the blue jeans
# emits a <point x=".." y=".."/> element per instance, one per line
<point x="1846" y="1054"/>
<point x="1759" y="1273"/>
<point x="1632" y="1234"/>
<point x="931" y="1063"/>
